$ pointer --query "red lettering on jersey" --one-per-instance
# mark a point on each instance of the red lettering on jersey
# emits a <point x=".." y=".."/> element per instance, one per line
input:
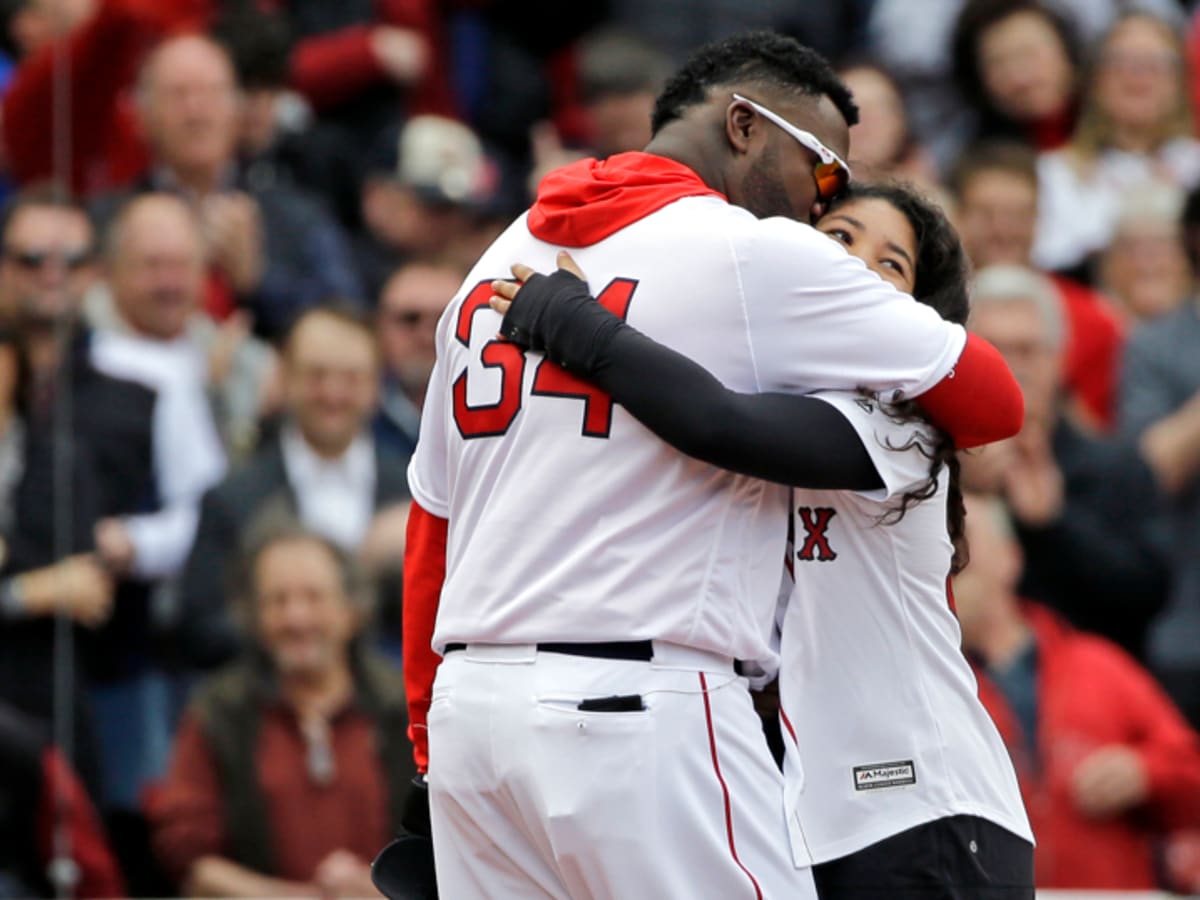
<point x="553" y="381"/>
<point x="496" y="418"/>
<point x="816" y="541"/>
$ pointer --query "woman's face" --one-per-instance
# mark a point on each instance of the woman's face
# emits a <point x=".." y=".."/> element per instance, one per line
<point x="1137" y="79"/>
<point x="1025" y="67"/>
<point x="878" y="234"/>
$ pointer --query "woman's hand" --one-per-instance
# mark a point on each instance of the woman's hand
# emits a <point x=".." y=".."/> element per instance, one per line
<point x="556" y="315"/>
<point x="506" y="291"/>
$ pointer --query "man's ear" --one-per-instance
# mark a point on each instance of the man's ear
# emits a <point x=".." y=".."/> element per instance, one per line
<point x="740" y="122"/>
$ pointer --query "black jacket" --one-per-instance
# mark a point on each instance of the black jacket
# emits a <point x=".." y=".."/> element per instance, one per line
<point x="228" y="510"/>
<point x="108" y="460"/>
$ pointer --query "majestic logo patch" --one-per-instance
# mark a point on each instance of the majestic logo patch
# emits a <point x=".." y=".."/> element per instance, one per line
<point x="884" y="775"/>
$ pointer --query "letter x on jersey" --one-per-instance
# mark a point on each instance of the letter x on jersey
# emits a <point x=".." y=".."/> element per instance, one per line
<point x="816" y="539"/>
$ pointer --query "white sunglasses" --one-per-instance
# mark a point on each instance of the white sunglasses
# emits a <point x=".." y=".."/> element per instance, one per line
<point x="831" y="174"/>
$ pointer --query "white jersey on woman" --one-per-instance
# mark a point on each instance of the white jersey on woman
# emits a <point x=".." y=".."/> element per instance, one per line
<point x="883" y="726"/>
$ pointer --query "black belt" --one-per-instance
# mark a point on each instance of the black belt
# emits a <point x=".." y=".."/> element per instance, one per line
<point x="636" y="650"/>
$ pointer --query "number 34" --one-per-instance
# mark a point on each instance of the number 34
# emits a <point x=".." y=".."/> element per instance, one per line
<point x="550" y="380"/>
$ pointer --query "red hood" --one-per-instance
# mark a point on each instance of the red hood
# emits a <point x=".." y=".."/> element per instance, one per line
<point x="587" y="201"/>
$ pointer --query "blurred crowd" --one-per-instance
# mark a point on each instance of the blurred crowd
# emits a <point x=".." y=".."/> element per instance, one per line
<point x="230" y="229"/>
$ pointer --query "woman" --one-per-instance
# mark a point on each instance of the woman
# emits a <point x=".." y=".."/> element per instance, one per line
<point x="896" y="779"/>
<point x="1136" y="128"/>
<point x="1017" y="62"/>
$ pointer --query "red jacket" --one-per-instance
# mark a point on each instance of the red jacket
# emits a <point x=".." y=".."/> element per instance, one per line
<point x="64" y="799"/>
<point x="1095" y="337"/>
<point x="107" y="150"/>
<point x="1090" y="695"/>
<point x="102" y="56"/>
<point x="334" y="67"/>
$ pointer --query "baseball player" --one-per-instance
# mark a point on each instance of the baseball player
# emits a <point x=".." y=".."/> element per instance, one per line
<point x="898" y="783"/>
<point x="587" y="589"/>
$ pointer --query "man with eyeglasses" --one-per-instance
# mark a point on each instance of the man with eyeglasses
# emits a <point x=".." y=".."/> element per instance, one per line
<point x="323" y="468"/>
<point x="582" y="591"/>
<point x="68" y="411"/>
<point x="413" y="299"/>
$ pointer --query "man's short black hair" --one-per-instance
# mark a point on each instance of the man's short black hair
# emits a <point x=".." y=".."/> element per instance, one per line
<point x="260" y="45"/>
<point x="8" y="11"/>
<point x="757" y="56"/>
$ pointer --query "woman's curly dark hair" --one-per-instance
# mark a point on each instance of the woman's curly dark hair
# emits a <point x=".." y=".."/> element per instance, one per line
<point x="941" y="273"/>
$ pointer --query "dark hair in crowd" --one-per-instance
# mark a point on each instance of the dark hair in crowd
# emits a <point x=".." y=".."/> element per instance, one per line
<point x="40" y="195"/>
<point x="994" y="156"/>
<point x="761" y="57"/>
<point x="273" y="526"/>
<point x="976" y="17"/>
<point x="940" y="274"/>
<point x="259" y="43"/>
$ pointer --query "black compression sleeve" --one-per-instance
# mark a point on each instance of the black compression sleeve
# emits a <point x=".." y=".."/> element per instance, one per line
<point x="800" y="441"/>
<point x="795" y="440"/>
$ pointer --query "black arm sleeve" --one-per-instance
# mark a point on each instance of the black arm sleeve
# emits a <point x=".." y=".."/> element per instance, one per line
<point x="794" y="440"/>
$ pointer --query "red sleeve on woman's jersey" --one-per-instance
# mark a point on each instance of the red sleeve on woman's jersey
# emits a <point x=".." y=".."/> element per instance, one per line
<point x="424" y="572"/>
<point x="979" y="401"/>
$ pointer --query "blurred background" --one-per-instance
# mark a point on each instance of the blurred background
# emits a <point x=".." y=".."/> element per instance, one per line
<point x="229" y="229"/>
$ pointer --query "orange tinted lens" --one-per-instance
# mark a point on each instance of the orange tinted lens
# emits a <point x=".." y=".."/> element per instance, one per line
<point x="831" y="180"/>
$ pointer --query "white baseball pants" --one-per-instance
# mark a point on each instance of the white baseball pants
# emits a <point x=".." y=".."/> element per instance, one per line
<point x="532" y="797"/>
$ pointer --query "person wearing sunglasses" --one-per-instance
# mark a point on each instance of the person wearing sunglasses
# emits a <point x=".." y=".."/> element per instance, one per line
<point x="586" y="589"/>
<point x="830" y="174"/>
<point x="898" y="781"/>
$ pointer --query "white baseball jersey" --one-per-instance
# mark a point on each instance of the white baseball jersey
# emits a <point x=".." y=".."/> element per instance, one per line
<point x="887" y="731"/>
<point x="569" y="521"/>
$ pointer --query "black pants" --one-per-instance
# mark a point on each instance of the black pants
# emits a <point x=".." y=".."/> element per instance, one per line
<point x="956" y="858"/>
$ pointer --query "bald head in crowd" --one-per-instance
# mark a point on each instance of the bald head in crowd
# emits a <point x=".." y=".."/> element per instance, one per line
<point x="188" y="104"/>
<point x="156" y="265"/>
<point x="1017" y="310"/>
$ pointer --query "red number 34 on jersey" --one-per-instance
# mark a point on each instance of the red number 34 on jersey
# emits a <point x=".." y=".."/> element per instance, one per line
<point x="550" y="380"/>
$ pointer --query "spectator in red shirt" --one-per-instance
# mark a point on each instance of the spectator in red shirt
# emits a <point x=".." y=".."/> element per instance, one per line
<point x="344" y="61"/>
<point x="996" y="188"/>
<point x="1017" y="62"/>
<point x="272" y="250"/>
<point x="362" y="63"/>
<point x="101" y="55"/>
<point x="1086" y="508"/>
<point x="290" y="767"/>
<point x="1107" y="765"/>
